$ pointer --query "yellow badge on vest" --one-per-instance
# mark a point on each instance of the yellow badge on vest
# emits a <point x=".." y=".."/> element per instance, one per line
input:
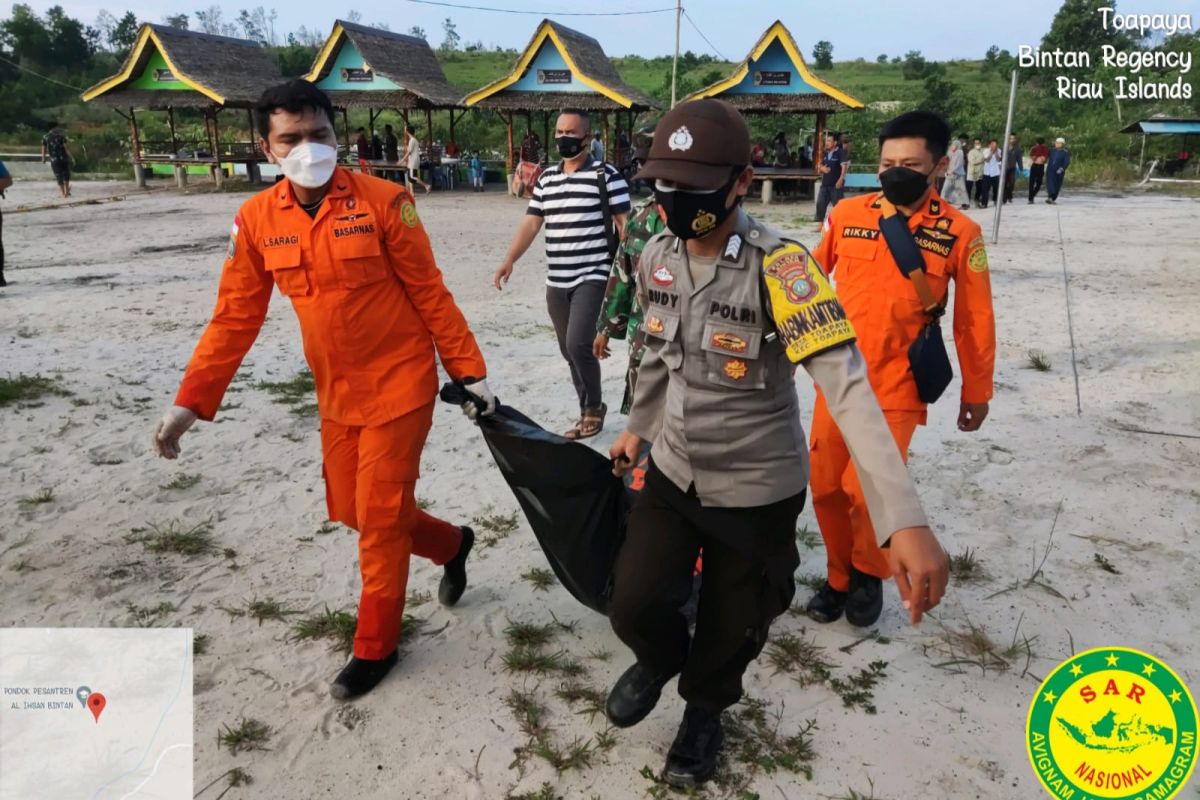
<point x="805" y="309"/>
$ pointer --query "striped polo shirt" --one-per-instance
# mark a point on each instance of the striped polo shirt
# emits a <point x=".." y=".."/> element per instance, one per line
<point x="576" y="249"/>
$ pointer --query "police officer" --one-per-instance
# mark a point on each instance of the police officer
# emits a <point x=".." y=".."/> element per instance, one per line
<point x="730" y="307"/>
<point x="349" y="252"/>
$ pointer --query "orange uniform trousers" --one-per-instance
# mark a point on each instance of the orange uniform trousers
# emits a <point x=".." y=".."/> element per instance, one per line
<point x="370" y="482"/>
<point x="837" y="496"/>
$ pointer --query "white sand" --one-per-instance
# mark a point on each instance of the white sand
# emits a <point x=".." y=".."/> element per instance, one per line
<point x="112" y="297"/>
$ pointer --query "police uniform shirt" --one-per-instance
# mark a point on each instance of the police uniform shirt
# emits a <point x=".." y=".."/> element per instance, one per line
<point x="717" y="396"/>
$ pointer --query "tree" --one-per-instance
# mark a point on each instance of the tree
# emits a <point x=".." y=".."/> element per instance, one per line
<point x="68" y="40"/>
<point x="353" y="16"/>
<point x="989" y="60"/>
<point x="914" y="66"/>
<point x="450" y="43"/>
<point x="258" y="25"/>
<point x="211" y="20"/>
<point x="104" y="24"/>
<point x="124" y="34"/>
<point x="26" y="36"/>
<point x="419" y="32"/>
<point x="881" y="58"/>
<point x="823" y="55"/>
<point x="179" y="21"/>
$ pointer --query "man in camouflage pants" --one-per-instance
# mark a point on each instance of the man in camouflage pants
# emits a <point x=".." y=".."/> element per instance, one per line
<point x="620" y="314"/>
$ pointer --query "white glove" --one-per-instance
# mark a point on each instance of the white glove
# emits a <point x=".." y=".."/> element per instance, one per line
<point x="480" y="390"/>
<point x="174" y="423"/>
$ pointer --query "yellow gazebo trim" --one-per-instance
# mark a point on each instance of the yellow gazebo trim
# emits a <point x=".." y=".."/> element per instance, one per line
<point x="545" y="31"/>
<point x="779" y="32"/>
<point x="126" y="73"/>
<point x="326" y="52"/>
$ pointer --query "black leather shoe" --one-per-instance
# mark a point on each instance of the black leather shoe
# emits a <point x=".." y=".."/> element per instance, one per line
<point x="864" y="604"/>
<point x="633" y="696"/>
<point x="692" y="759"/>
<point x="826" y="605"/>
<point x="361" y="675"/>
<point x="454" y="581"/>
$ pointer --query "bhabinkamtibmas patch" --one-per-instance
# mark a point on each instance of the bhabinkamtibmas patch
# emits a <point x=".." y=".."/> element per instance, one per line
<point x="807" y="313"/>
<point x="1112" y="723"/>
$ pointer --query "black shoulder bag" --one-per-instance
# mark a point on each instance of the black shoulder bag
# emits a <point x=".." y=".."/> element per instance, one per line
<point x="610" y="232"/>
<point x="927" y="358"/>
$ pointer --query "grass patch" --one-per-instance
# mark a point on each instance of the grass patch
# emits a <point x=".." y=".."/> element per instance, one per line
<point x="263" y="610"/>
<point x="582" y="699"/>
<point x="858" y="691"/>
<point x="754" y="744"/>
<point x="248" y="734"/>
<point x="540" y="578"/>
<point x="39" y="499"/>
<point x="851" y="794"/>
<point x="972" y="646"/>
<point x="1103" y="563"/>
<point x="200" y="642"/>
<point x="546" y="792"/>
<point x="173" y="537"/>
<point x="418" y="599"/>
<point x="181" y="481"/>
<point x="808" y="538"/>
<point x="146" y="617"/>
<point x="297" y="394"/>
<point x="336" y="626"/>
<point x="1038" y="360"/>
<point x="496" y="527"/>
<point x="539" y="662"/>
<point x="327" y="528"/>
<point x="965" y="567"/>
<point x="526" y="634"/>
<point x="24" y="388"/>
<point x="801" y="658"/>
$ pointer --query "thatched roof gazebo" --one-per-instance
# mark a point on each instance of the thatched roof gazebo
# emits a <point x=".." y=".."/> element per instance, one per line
<point x="170" y="68"/>
<point x="773" y="79"/>
<point x="361" y="67"/>
<point x="560" y="68"/>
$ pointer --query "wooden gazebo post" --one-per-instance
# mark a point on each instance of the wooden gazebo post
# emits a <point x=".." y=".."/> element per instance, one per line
<point x="180" y="170"/>
<point x="139" y="169"/>
<point x="606" y="140"/>
<point x="218" y="173"/>
<point x="252" y="174"/>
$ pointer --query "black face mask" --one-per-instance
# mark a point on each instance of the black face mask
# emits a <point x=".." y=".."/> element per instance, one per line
<point x="569" y="146"/>
<point x="903" y="186"/>
<point x="691" y="215"/>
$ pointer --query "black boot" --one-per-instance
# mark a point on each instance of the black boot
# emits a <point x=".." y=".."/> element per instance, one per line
<point x="454" y="581"/>
<point x="692" y="759"/>
<point x="864" y="604"/>
<point x="634" y="695"/>
<point x="826" y="605"/>
<point x="360" y="676"/>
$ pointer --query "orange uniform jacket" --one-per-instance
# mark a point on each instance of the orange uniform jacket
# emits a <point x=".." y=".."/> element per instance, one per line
<point x="883" y="305"/>
<point x="371" y="302"/>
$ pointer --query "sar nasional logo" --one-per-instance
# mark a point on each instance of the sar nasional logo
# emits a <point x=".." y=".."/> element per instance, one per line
<point x="1112" y="724"/>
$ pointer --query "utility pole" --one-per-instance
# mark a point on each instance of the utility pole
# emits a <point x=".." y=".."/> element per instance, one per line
<point x="675" y="62"/>
<point x="1012" y="104"/>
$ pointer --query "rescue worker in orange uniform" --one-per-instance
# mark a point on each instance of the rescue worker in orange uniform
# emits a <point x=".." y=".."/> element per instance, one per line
<point x="350" y="253"/>
<point x="884" y="309"/>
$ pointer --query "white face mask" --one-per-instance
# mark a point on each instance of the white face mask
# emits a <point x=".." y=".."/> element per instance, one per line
<point x="309" y="164"/>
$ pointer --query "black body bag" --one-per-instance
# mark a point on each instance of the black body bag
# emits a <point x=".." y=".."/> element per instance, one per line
<point x="575" y="505"/>
<point x="927" y="357"/>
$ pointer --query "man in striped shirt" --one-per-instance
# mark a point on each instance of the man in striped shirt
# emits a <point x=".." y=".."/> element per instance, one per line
<point x="567" y="200"/>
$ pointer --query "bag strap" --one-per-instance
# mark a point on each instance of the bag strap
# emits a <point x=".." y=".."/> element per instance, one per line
<point x="899" y="240"/>
<point x="610" y="235"/>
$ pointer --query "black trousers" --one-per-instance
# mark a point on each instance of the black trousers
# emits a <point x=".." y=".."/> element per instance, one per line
<point x="750" y="558"/>
<point x="1010" y="184"/>
<point x="1" y="246"/>
<point x="827" y="197"/>
<point x="1037" y="174"/>
<point x="985" y="186"/>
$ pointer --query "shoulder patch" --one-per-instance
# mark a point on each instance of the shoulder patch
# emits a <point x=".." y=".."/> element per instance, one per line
<point x="408" y="211"/>
<point x="805" y="308"/>
<point x="977" y="261"/>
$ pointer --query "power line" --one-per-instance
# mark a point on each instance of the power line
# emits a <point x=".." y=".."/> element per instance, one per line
<point x="40" y="75"/>
<point x="543" y="13"/>
<point x="702" y="36"/>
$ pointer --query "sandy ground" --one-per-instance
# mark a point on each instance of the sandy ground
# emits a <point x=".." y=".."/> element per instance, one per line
<point x="112" y="297"/>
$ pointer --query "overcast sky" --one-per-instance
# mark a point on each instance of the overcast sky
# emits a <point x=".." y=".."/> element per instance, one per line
<point x="857" y="28"/>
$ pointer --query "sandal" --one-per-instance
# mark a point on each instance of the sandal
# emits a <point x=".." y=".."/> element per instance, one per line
<point x="589" y="424"/>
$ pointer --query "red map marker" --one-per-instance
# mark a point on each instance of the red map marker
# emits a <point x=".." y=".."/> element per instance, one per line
<point x="95" y="704"/>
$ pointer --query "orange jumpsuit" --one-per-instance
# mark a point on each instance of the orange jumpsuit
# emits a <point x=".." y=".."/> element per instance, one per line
<point x="372" y="308"/>
<point x="887" y="315"/>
